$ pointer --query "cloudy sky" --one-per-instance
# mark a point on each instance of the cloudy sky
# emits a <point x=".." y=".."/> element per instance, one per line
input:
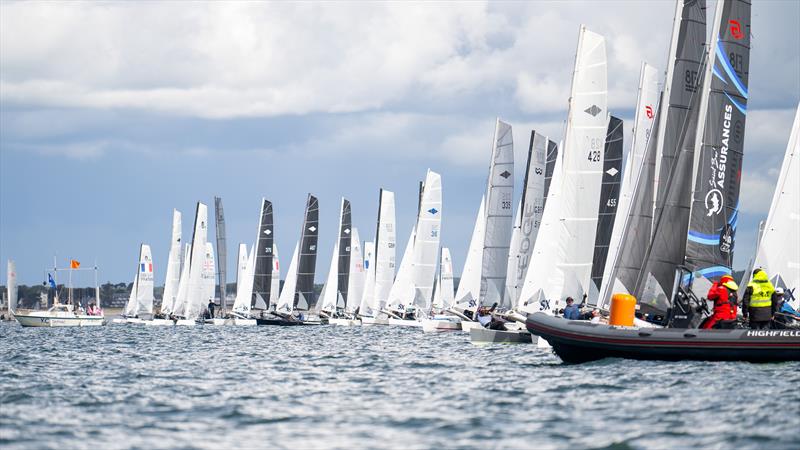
<point x="112" y="114"/>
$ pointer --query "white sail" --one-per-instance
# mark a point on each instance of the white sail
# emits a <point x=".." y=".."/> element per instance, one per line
<point x="367" y="305"/>
<point x="569" y="273"/>
<point x="173" y="266"/>
<point x="241" y="265"/>
<point x="208" y="275"/>
<point x="195" y="299"/>
<point x="131" y="305"/>
<point x="244" y="281"/>
<point x="426" y="240"/>
<point x="497" y="237"/>
<point x="779" y="251"/>
<point x="276" y="276"/>
<point x="403" y="286"/>
<point x="355" y="283"/>
<point x="444" y="282"/>
<point x="179" y="307"/>
<point x="11" y="286"/>
<point x="329" y="295"/>
<point x="144" y="291"/>
<point x="470" y="285"/>
<point x="643" y="123"/>
<point x="286" y="299"/>
<point x="385" y="251"/>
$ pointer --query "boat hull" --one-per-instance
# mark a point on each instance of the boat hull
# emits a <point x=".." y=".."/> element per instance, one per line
<point x="281" y="322"/>
<point x="344" y="322"/>
<point x="439" y="325"/>
<point x="369" y="321"/>
<point x="159" y="323"/>
<point x="40" y="320"/>
<point x="405" y="323"/>
<point x="576" y="341"/>
<point x="467" y="325"/>
<point x="185" y="322"/>
<point x="487" y="336"/>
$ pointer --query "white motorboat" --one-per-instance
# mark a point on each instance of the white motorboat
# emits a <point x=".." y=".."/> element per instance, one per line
<point x="59" y="316"/>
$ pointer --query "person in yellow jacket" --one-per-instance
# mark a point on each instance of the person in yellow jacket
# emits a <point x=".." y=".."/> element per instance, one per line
<point x="757" y="302"/>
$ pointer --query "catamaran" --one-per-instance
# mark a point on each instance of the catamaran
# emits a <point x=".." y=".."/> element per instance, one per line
<point x="443" y="298"/>
<point x="140" y="301"/>
<point x="222" y="254"/>
<point x="297" y="301"/>
<point x="193" y="289"/>
<point x="380" y="274"/>
<point x="334" y="294"/>
<point x="61" y="314"/>
<point x="173" y="277"/>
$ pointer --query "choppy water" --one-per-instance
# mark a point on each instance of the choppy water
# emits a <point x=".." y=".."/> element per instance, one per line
<point x="379" y="387"/>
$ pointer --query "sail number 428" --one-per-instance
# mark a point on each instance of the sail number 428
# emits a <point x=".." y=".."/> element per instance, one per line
<point x="595" y="146"/>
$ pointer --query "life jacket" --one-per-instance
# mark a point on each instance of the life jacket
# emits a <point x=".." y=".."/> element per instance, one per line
<point x="762" y="291"/>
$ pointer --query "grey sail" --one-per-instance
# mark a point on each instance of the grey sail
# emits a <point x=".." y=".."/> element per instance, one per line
<point x="687" y="51"/>
<point x="262" y="275"/>
<point x="637" y="227"/>
<point x="305" y="299"/>
<point x="552" y="156"/>
<point x="607" y="208"/>
<point x="677" y="131"/>
<point x="222" y="252"/>
<point x="345" y="234"/>
<point x="497" y="237"/>
<point x="715" y="206"/>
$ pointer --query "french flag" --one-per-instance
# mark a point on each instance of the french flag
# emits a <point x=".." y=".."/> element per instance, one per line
<point x="147" y="267"/>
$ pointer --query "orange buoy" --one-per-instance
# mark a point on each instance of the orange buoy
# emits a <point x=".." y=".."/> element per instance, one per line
<point x="623" y="308"/>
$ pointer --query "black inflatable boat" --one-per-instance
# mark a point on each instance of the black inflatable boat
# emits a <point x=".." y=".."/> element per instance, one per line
<point x="576" y="341"/>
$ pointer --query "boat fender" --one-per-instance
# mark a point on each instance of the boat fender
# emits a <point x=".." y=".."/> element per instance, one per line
<point x="623" y="309"/>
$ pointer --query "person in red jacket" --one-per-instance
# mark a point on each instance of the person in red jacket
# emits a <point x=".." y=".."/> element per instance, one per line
<point x="723" y="294"/>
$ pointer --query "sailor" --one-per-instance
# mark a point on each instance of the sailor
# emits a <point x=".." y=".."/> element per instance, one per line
<point x="785" y="313"/>
<point x="211" y="308"/>
<point x="484" y="315"/>
<point x="572" y="311"/>
<point x="723" y="294"/>
<point x="757" y="302"/>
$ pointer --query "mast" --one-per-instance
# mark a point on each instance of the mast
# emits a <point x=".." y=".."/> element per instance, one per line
<point x="222" y="254"/>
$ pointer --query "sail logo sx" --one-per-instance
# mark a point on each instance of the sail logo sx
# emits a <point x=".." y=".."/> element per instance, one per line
<point x="719" y="160"/>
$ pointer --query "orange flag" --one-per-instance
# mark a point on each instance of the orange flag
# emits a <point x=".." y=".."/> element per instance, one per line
<point x="74" y="264"/>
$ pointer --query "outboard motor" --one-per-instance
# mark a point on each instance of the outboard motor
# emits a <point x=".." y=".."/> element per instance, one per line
<point x="687" y="310"/>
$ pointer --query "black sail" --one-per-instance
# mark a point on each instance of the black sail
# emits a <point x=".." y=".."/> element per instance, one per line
<point x="609" y="196"/>
<point x="715" y="205"/>
<point x="262" y="276"/>
<point x="344" y="252"/>
<point x="305" y="299"/>
<point x="552" y="156"/>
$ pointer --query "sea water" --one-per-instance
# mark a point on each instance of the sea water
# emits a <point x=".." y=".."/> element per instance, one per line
<point x="125" y="386"/>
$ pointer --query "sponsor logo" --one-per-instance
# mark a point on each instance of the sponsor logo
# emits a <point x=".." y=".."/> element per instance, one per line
<point x="726" y="239"/>
<point x="648" y="110"/>
<point x="505" y="174"/>
<point x="593" y="110"/>
<point x="433" y="211"/>
<point x="773" y="333"/>
<point x="312" y="228"/>
<point x="736" y="29"/>
<point x="612" y="171"/>
<point x="713" y="202"/>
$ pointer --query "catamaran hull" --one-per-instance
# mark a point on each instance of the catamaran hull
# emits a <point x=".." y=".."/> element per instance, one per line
<point x="405" y="323"/>
<point x="487" y="336"/>
<point x="186" y="322"/>
<point x="34" y="320"/>
<point x="285" y="323"/>
<point x="159" y="323"/>
<point x="576" y="341"/>
<point x="369" y="321"/>
<point x="467" y="325"/>
<point x="438" y="325"/>
<point x="344" y="322"/>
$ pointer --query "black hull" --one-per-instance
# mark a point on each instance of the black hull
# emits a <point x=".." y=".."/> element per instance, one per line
<point x="284" y="322"/>
<point x="580" y="341"/>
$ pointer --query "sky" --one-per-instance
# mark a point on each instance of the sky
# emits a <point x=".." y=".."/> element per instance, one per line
<point x="113" y="114"/>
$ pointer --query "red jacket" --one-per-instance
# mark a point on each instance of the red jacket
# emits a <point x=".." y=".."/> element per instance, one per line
<point x="724" y="308"/>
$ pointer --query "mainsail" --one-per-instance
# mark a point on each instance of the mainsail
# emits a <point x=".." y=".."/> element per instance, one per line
<point x="779" y="250"/>
<point x="286" y="299"/>
<point x="718" y="161"/>
<point x="443" y="295"/>
<point x="244" y="281"/>
<point x="426" y="241"/>
<point x="276" y="276"/>
<point x="385" y="252"/>
<point x="11" y="287"/>
<point x="355" y="280"/>
<point x="334" y="292"/>
<point x="173" y="266"/>
<point x="262" y="272"/>
<point x="222" y="253"/>
<point x="609" y="201"/>
<point x="567" y="269"/>
<point x="403" y="286"/>
<point x="241" y="266"/>
<point x="307" y="262"/>
<point x="499" y="199"/>
<point x="633" y="224"/>
<point x="367" y="304"/>
<point x="529" y="217"/>
<point x="141" y="298"/>
<point x="195" y="300"/>
<point x="179" y="307"/>
<point x="208" y="276"/>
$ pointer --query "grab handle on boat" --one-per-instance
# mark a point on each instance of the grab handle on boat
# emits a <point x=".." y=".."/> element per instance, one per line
<point x="689" y="334"/>
<point x="645" y="333"/>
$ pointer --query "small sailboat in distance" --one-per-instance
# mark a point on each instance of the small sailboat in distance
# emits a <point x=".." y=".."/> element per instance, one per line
<point x="140" y="301"/>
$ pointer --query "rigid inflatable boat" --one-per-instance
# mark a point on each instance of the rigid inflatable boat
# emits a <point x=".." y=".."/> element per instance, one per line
<point x="577" y="341"/>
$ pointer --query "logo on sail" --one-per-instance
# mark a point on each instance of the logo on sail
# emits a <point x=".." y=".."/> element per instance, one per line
<point x="648" y="110"/>
<point x="593" y="110"/>
<point x="736" y="29"/>
<point x="726" y="239"/>
<point x="713" y="202"/>
<point x="433" y="211"/>
<point x="505" y="174"/>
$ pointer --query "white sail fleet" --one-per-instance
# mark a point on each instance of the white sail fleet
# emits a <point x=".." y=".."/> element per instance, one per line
<point x="593" y="218"/>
